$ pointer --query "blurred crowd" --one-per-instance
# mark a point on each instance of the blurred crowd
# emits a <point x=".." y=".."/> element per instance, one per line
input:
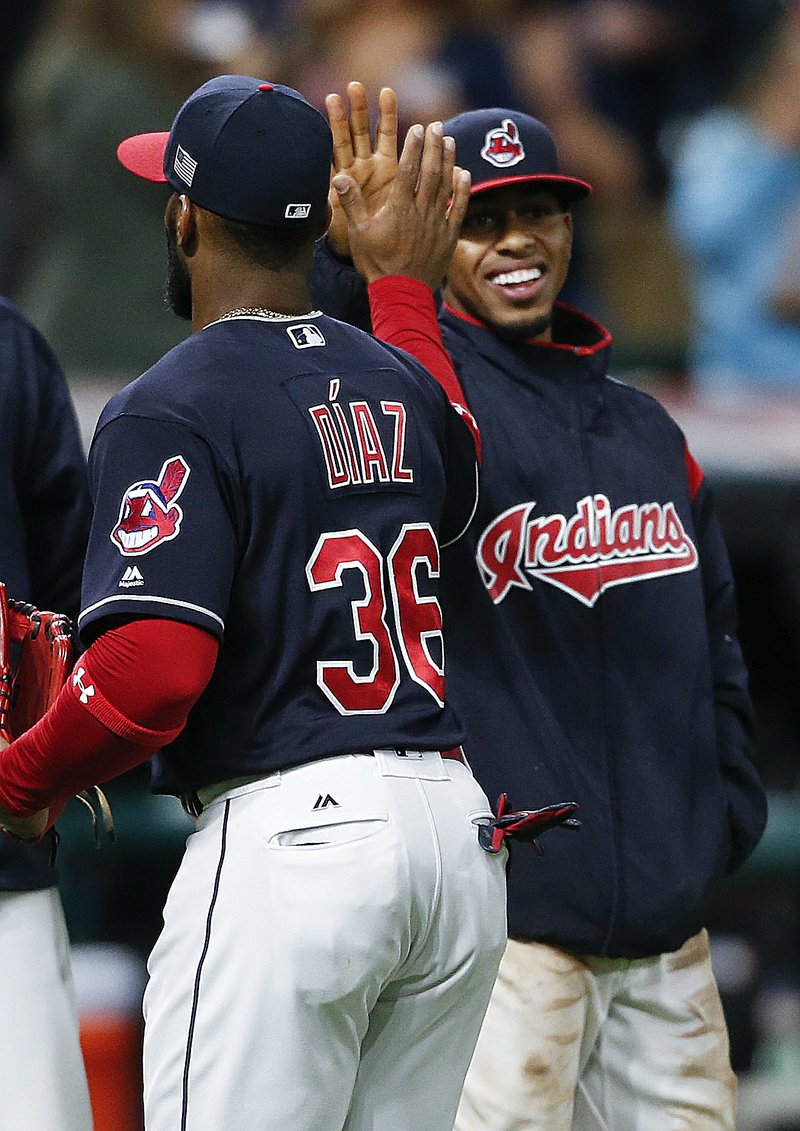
<point x="685" y="116"/>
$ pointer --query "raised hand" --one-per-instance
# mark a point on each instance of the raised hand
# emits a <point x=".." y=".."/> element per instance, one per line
<point x="372" y="168"/>
<point x="413" y="226"/>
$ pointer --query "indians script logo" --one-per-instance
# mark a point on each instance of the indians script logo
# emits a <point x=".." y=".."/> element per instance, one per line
<point x="149" y="514"/>
<point x="587" y="553"/>
<point x="502" y="146"/>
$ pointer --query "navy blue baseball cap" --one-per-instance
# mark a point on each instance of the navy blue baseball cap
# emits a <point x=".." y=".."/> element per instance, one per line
<point x="246" y="149"/>
<point x="503" y="147"/>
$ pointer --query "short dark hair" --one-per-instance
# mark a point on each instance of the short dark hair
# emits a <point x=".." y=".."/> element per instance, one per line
<point x="269" y="247"/>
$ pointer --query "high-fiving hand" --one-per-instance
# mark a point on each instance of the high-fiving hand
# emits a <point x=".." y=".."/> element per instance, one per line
<point x="373" y="169"/>
<point x="402" y="218"/>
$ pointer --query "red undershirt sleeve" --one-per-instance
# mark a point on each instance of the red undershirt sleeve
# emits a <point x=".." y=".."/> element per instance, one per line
<point x="694" y="472"/>
<point x="129" y="694"/>
<point x="404" y="315"/>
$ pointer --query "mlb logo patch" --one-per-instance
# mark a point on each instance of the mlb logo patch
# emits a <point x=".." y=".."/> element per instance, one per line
<point x="185" y="166"/>
<point x="297" y="211"/>
<point x="304" y="337"/>
<point x="502" y="146"/>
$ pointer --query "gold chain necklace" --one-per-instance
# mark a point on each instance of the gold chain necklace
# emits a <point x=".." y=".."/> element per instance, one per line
<point x="249" y="311"/>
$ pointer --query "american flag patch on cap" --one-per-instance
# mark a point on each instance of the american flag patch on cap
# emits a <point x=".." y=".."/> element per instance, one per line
<point x="185" y="166"/>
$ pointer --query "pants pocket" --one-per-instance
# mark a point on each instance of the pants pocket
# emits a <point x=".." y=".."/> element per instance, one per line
<point x="328" y="836"/>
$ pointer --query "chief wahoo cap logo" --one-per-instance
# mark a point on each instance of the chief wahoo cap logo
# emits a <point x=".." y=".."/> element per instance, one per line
<point x="502" y="146"/>
<point x="149" y="514"/>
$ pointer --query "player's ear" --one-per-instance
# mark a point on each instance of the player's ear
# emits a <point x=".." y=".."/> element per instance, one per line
<point x="186" y="225"/>
<point x="570" y="229"/>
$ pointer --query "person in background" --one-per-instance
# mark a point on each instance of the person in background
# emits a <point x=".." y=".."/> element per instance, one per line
<point x="94" y="73"/>
<point x="44" y="516"/>
<point x="734" y="206"/>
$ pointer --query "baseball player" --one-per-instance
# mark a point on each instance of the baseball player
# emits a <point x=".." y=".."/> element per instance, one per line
<point x="593" y="594"/>
<point x="261" y="606"/>
<point x="44" y="518"/>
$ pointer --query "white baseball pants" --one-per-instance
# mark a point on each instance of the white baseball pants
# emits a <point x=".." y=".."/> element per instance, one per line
<point x="593" y="1044"/>
<point x="329" y="947"/>
<point x="41" y="1066"/>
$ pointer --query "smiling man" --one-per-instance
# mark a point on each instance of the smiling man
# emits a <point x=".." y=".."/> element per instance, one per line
<point x="512" y="260"/>
<point x="513" y="255"/>
<point x="592" y="652"/>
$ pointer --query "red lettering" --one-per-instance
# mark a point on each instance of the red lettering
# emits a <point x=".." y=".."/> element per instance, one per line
<point x="397" y="409"/>
<point x="351" y="692"/>
<point x="373" y="457"/>
<point x="418" y="618"/>
<point x="593" y="550"/>
<point x="332" y="450"/>
<point x="545" y="541"/>
<point x="344" y="432"/>
<point x="499" y="552"/>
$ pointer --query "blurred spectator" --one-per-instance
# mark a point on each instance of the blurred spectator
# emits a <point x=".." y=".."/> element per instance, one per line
<point x="735" y="206"/>
<point x="19" y="22"/>
<point x="619" y="73"/>
<point x="548" y="44"/>
<point x="614" y="79"/>
<point x="97" y="73"/>
<point x="439" y="55"/>
<point x="786" y="295"/>
<point x="236" y="36"/>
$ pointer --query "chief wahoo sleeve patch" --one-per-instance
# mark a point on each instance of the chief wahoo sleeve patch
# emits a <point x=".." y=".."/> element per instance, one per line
<point x="149" y="513"/>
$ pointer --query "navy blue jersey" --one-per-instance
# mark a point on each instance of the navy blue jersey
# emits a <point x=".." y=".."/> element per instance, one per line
<point x="284" y="485"/>
<point x="591" y="639"/>
<point x="44" y="513"/>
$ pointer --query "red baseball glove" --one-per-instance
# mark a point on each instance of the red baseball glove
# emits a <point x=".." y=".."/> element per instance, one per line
<point x="35" y="660"/>
<point x="35" y="657"/>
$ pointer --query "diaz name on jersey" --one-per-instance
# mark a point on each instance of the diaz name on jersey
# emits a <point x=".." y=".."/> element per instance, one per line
<point x="266" y="456"/>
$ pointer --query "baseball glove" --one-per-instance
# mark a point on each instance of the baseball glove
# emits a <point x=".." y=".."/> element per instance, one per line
<point x="43" y="653"/>
<point x="35" y="658"/>
<point x="526" y="825"/>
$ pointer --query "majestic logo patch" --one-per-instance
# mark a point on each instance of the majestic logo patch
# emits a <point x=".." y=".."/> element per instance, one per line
<point x="587" y="553"/>
<point x="325" y="802"/>
<point x="148" y="514"/>
<point x="502" y="146"/>
<point x="131" y="576"/>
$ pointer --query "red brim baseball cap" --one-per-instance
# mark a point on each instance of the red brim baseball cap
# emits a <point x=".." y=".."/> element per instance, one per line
<point x="503" y="147"/>
<point x="144" y="156"/>
<point x="246" y="149"/>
